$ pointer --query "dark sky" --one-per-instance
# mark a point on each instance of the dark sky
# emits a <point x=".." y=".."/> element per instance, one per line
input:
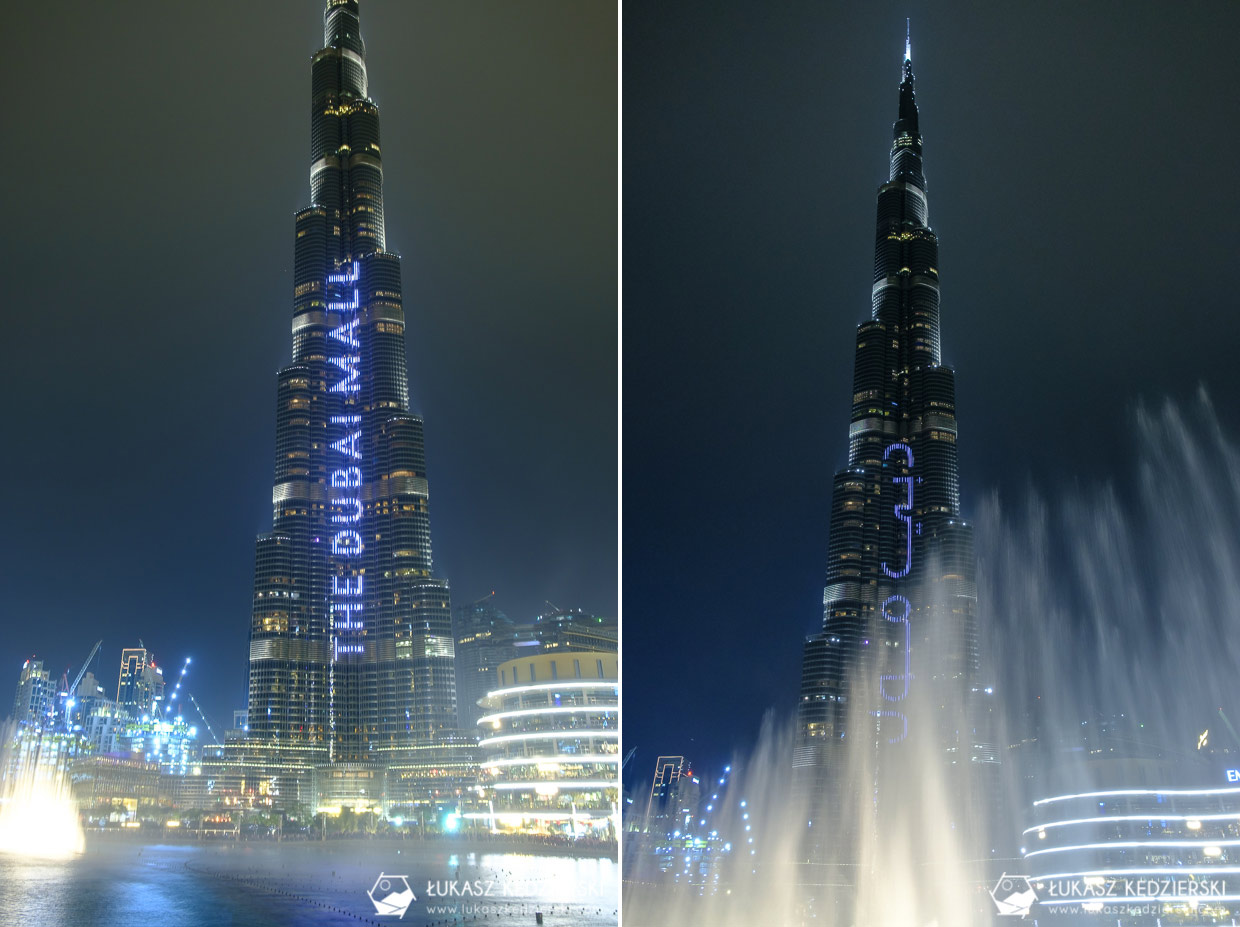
<point x="1081" y="160"/>
<point x="155" y="155"/>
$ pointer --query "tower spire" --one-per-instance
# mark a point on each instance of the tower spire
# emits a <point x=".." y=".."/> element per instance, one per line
<point x="906" y="124"/>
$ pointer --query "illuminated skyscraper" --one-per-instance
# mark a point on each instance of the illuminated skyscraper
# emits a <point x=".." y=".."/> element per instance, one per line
<point x="894" y="676"/>
<point x="484" y="638"/>
<point x="140" y="685"/>
<point x="664" y="803"/>
<point x="32" y="706"/>
<point x="351" y="653"/>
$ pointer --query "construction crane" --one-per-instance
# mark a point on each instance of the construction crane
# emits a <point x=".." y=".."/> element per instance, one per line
<point x="82" y="672"/>
<point x="68" y="689"/>
<point x="214" y="739"/>
<point x="180" y="679"/>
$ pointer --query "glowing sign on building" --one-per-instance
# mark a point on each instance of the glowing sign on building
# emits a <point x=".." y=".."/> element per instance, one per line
<point x="904" y="511"/>
<point x="345" y="601"/>
<point x="894" y="687"/>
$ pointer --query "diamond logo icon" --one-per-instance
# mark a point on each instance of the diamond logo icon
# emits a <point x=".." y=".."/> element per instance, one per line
<point x="391" y="895"/>
<point x="1013" y="895"/>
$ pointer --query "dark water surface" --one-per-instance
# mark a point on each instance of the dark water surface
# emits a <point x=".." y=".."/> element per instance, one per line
<point x="121" y="882"/>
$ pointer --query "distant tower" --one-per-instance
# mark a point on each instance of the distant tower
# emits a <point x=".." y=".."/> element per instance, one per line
<point x="140" y="687"/>
<point x="573" y="629"/>
<point x="32" y="705"/>
<point x="484" y="638"/>
<point x="897" y="660"/>
<point x="664" y="793"/>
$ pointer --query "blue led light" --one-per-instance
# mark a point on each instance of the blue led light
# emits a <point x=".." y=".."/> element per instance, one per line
<point x="903" y="511"/>
<point x="347" y="543"/>
<point x="348" y="445"/>
<point x="347" y="585"/>
<point x="908" y="643"/>
<point x="348" y="363"/>
<point x="346" y="334"/>
<point x="348" y="277"/>
<point x="348" y="518"/>
<point x="343" y="306"/>
<point x="895" y="714"/>
<point x="346" y="616"/>
<point x="347" y="478"/>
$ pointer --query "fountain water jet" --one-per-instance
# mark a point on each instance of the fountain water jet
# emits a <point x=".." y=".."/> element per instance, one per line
<point x="1119" y="599"/>
<point x="1122" y="599"/>
<point x="892" y="881"/>
<point x="38" y="816"/>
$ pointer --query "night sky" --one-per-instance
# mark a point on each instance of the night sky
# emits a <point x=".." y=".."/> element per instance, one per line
<point x="1081" y="161"/>
<point x="156" y="153"/>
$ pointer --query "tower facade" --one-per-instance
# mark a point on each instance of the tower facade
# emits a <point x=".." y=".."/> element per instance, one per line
<point x="351" y="653"/>
<point x="893" y="680"/>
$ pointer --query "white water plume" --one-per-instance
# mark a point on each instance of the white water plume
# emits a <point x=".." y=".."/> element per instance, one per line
<point x="909" y="871"/>
<point x="1119" y="600"/>
<point x="1122" y="600"/>
<point x="38" y="816"/>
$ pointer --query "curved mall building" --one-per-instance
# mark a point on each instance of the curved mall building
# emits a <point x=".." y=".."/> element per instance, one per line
<point x="1147" y="853"/>
<point x="550" y="739"/>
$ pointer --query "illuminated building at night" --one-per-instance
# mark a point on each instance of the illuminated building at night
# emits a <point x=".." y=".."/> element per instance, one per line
<point x="350" y="651"/>
<point x="32" y="706"/>
<point x="88" y="695"/>
<point x="551" y="743"/>
<point x="667" y="773"/>
<point x="895" y="673"/>
<point x="484" y="638"/>
<point x="102" y="724"/>
<point x="571" y="629"/>
<point x="113" y="787"/>
<point x="140" y="687"/>
<point x="674" y="793"/>
<point x="1143" y="851"/>
<point x="170" y="743"/>
<point x="690" y="829"/>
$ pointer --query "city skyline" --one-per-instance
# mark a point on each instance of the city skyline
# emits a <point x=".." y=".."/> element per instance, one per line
<point x="509" y="289"/>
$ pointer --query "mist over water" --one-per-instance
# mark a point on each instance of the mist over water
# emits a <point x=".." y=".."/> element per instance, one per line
<point x="1113" y="604"/>
<point x="1119" y="603"/>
